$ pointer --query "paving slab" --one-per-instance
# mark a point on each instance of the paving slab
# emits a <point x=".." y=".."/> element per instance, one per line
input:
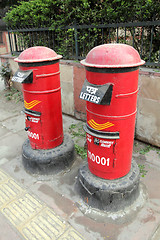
<point x="5" y="114"/>
<point x="152" y="182"/>
<point x="156" y="235"/>
<point x="9" y="107"/>
<point x="10" y="146"/>
<point x="31" y="218"/>
<point x="15" y="124"/>
<point x="3" y="161"/>
<point x="1" y="84"/>
<point x="3" y="131"/>
<point x="8" y="231"/>
<point x="143" y="225"/>
<point x="16" y="170"/>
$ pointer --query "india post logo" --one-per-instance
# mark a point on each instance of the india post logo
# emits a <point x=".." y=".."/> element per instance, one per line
<point x="97" y="126"/>
<point x="31" y="104"/>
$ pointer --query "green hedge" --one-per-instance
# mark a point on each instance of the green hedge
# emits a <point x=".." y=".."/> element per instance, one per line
<point x="65" y="12"/>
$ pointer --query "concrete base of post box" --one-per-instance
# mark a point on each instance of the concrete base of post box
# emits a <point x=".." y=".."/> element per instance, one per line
<point x="49" y="161"/>
<point x="108" y="195"/>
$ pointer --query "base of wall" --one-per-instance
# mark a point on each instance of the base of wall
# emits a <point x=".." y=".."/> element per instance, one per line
<point x="80" y="115"/>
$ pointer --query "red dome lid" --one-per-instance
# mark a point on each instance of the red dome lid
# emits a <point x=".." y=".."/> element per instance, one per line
<point x="37" y="54"/>
<point x="113" y="56"/>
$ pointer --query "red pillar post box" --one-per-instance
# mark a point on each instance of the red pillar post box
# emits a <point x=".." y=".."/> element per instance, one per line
<point x="40" y="77"/>
<point x="47" y="150"/>
<point x="110" y="91"/>
<point x="110" y="180"/>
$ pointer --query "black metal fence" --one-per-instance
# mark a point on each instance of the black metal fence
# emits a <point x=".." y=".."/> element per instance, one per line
<point x="75" y="41"/>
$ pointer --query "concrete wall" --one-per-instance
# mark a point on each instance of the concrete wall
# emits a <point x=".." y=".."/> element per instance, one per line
<point x="148" y="113"/>
<point x="67" y="90"/>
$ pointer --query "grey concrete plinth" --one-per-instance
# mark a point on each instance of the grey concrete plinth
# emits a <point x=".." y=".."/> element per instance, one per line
<point x="49" y="161"/>
<point x="108" y="195"/>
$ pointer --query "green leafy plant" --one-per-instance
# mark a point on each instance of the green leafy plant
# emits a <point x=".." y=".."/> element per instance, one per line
<point x="6" y="73"/>
<point x="145" y="150"/>
<point x="142" y="170"/>
<point x="14" y="94"/>
<point x="81" y="151"/>
<point x="77" y="130"/>
<point x="157" y="150"/>
<point x="59" y="12"/>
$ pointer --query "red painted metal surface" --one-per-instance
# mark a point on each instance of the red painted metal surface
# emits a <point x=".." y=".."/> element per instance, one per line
<point x="111" y="127"/>
<point x="113" y="56"/>
<point x="42" y="97"/>
<point x="37" y="54"/>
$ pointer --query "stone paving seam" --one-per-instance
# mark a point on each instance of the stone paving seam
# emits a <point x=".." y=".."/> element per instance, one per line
<point x="70" y="234"/>
<point x="156" y="234"/>
<point x="32" y="218"/>
<point x="3" y="176"/>
<point x="5" y="119"/>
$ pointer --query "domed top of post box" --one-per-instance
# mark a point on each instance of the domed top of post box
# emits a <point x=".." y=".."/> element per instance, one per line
<point x="37" y="54"/>
<point x="113" y="56"/>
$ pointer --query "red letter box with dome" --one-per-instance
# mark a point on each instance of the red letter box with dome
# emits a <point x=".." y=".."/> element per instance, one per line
<point x="110" y="90"/>
<point x="40" y="77"/>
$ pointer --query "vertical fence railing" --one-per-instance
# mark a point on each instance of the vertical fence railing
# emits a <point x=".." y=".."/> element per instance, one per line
<point x="74" y="42"/>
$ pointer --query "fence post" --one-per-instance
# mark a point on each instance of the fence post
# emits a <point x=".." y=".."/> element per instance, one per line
<point x="15" y="41"/>
<point x="10" y="42"/>
<point x="76" y="40"/>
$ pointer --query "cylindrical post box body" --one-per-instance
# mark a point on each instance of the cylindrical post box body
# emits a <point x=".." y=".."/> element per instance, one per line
<point x="42" y="97"/>
<point x="111" y="114"/>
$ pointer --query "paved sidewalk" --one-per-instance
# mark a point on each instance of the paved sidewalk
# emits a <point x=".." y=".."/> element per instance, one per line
<point x="48" y="207"/>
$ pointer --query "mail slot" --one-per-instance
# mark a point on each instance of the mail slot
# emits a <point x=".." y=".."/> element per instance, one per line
<point x="40" y="77"/>
<point x="110" y="90"/>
